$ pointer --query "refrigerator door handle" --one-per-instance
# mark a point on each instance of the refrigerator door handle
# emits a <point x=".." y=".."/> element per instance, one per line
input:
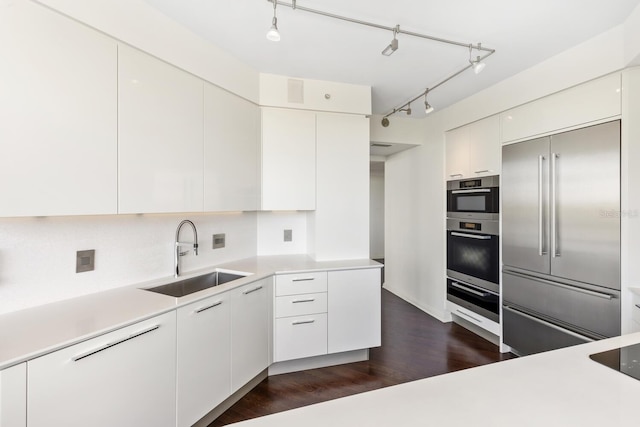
<point x="560" y="285"/>
<point x="541" y="249"/>
<point x="554" y="215"/>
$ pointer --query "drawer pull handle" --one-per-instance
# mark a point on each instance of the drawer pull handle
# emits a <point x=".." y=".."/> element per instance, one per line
<point x="257" y="288"/>
<point x="303" y="300"/>
<point x="306" y="279"/>
<point x="302" y="322"/>
<point x="115" y="343"/>
<point x="469" y="316"/>
<point x="215" y="304"/>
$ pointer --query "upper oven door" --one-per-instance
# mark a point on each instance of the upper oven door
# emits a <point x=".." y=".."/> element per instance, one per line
<point x="474" y="198"/>
<point x="472" y="255"/>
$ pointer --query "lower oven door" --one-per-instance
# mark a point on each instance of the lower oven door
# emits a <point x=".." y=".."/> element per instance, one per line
<point x="474" y="298"/>
<point x="474" y="255"/>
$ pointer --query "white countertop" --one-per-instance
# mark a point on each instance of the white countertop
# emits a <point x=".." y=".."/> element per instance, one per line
<point x="557" y="388"/>
<point x="30" y="333"/>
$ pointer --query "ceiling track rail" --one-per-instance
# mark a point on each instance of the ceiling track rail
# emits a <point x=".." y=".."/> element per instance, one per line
<point x="397" y="30"/>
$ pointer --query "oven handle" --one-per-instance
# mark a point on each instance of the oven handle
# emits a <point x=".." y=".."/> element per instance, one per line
<point x="476" y="190"/>
<point x="471" y="236"/>
<point x="471" y="291"/>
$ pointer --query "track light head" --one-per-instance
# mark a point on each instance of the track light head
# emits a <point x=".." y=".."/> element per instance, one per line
<point x="273" y="34"/>
<point x="408" y="109"/>
<point x="428" y="109"/>
<point x="477" y="65"/>
<point x="393" y="46"/>
<point x="385" y="122"/>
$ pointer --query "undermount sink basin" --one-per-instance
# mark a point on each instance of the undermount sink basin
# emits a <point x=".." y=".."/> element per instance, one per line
<point x="195" y="284"/>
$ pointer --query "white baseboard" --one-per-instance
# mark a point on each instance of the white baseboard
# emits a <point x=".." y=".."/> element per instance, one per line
<point x="442" y="315"/>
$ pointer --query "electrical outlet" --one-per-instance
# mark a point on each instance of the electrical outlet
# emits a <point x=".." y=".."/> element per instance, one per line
<point x="219" y="241"/>
<point x="85" y="260"/>
<point x="288" y="235"/>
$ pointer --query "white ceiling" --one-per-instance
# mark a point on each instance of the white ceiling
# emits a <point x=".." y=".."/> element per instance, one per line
<point x="523" y="32"/>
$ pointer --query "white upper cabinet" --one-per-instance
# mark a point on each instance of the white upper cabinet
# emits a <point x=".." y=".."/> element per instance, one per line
<point x="160" y="120"/>
<point x="231" y="145"/>
<point x="473" y="150"/>
<point x="592" y="101"/>
<point x="58" y="110"/>
<point x="288" y="159"/>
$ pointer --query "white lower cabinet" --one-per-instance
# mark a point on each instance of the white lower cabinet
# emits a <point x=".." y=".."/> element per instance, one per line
<point x="204" y="357"/>
<point x="123" y="378"/>
<point x="354" y="308"/>
<point x="249" y="331"/>
<point x="13" y="396"/>
<point x="300" y="336"/>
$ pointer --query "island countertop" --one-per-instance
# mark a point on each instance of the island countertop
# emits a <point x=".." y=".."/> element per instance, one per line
<point x="556" y="388"/>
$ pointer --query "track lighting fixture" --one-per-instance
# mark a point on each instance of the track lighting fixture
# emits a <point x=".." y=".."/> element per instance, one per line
<point x="393" y="46"/>
<point x="427" y="107"/>
<point x="476" y="64"/>
<point x="273" y="34"/>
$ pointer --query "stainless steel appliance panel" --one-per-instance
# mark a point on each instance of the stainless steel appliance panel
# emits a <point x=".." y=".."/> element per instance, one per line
<point x="476" y="198"/>
<point x="473" y="251"/>
<point x="591" y="310"/>
<point x="477" y="299"/>
<point x="585" y="205"/>
<point x="528" y="335"/>
<point x="525" y="225"/>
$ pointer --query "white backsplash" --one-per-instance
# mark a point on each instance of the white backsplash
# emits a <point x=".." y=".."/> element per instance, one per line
<point x="37" y="255"/>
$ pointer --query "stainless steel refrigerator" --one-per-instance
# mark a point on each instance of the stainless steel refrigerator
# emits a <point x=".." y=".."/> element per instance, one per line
<point x="561" y="239"/>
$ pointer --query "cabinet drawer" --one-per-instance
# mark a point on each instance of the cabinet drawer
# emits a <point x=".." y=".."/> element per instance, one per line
<point x="297" y="305"/>
<point x="303" y="283"/>
<point x="301" y="336"/>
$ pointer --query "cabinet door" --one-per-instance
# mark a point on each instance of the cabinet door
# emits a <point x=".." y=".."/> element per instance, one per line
<point x="484" y="147"/>
<point x="123" y="378"/>
<point x="204" y="357"/>
<point x="457" y="160"/>
<point x="230" y="152"/>
<point x="301" y="336"/>
<point x="249" y="332"/>
<point x="160" y="119"/>
<point x="13" y="396"/>
<point x="354" y="310"/>
<point x="288" y="160"/>
<point x="58" y="109"/>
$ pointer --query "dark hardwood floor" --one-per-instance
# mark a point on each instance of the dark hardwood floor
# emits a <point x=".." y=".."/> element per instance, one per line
<point x="414" y="346"/>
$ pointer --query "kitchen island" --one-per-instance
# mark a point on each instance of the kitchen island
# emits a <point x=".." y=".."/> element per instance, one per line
<point x="556" y="388"/>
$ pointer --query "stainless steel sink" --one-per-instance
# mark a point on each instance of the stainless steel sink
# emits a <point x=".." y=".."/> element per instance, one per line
<point x="195" y="284"/>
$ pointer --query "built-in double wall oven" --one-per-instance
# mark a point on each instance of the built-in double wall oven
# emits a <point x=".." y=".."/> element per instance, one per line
<point x="473" y="245"/>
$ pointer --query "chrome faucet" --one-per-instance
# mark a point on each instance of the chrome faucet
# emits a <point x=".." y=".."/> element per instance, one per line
<point x="178" y="244"/>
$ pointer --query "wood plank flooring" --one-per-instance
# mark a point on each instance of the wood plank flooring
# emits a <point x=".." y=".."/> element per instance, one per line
<point x="414" y="346"/>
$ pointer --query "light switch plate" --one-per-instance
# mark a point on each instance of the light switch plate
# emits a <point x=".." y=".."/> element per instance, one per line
<point x="85" y="260"/>
<point x="219" y="240"/>
<point x="288" y="235"/>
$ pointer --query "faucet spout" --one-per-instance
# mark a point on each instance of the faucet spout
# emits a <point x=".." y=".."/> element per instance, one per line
<point x="178" y="244"/>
